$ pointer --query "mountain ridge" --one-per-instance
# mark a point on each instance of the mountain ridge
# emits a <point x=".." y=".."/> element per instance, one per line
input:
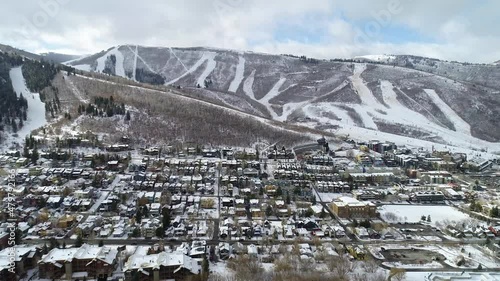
<point x="410" y="98"/>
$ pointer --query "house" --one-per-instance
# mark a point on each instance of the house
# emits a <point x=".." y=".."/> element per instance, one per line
<point x="88" y="261"/>
<point x="161" y="266"/>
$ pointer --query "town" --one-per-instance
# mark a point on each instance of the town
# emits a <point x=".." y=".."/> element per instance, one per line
<point x="84" y="211"/>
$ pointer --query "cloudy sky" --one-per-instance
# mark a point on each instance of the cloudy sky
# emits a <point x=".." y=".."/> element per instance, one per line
<point x="463" y="30"/>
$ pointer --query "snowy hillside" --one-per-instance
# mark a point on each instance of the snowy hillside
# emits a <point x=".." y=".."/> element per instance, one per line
<point x="376" y="58"/>
<point x="417" y="98"/>
<point x="36" y="108"/>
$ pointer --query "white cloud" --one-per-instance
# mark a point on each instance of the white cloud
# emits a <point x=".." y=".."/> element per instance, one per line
<point x="459" y="29"/>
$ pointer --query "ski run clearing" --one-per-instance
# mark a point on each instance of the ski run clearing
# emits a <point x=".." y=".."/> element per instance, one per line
<point x="371" y="110"/>
<point x="460" y="125"/>
<point x="239" y="75"/>
<point x="211" y="64"/>
<point x="119" y="69"/>
<point x="36" y="108"/>
<point x="207" y="56"/>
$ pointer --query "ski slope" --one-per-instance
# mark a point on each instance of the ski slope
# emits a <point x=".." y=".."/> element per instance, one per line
<point x="248" y="84"/>
<point x="119" y="69"/>
<point x="204" y="57"/>
<point x="36" y="108"/>
<point x="134" y="70"/>
<point x="211" y="64"/>
<point x="460" y="125"/>
<point x="396" y="113"/>
<point x="274" y="92"/>
<point x="239" y="75"/>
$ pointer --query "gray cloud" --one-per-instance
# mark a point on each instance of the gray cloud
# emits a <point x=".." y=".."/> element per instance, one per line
<point x="459" y="30"/>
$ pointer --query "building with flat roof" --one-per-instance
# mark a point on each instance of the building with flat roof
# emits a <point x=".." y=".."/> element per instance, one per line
<point x="348" y="207"/>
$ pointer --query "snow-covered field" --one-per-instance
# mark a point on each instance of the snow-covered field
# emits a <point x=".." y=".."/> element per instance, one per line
<point x="413" y="213"/>
<point x="36" y="108"/>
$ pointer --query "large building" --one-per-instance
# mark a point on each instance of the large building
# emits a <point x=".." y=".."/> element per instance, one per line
<point x="348" y="207"/>
<point x="161" y="266"/>
<point x="88" y="261"/>
<point x="25" y="258"/>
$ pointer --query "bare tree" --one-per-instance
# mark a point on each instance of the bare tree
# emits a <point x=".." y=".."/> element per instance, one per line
<point x="398" y="274"/>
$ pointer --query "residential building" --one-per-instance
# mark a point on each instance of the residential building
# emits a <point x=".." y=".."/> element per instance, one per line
<point x="348" y="207"/>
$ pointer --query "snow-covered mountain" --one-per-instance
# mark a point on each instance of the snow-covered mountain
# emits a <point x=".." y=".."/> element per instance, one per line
<point x="446" y="102"/>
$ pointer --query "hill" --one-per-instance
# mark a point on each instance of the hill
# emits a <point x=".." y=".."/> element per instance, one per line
<point x="445" y="102"/>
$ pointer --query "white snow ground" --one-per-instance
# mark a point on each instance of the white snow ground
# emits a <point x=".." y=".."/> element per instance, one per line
<point x="275" y="91"/>
<point x="413" y="213"/>
<point x="119" y="69"/>
<point x="248" y="84"/>
<point x="460" y="125"/>
<point x="371" y="109"/>
<point x="36" y="108"/>
<point x="83" y="67"/>
<point x="376" y="58"/>
<point x="211" y="64"/>
<point x="206" y="56"/>
<point x="239" y="75"/>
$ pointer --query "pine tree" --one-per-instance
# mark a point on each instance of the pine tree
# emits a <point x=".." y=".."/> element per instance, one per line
<point x="34" y="156"/>
<point x="79" y="241"/>
<point x="165" y="218"/>
<point x="205" y="267"/>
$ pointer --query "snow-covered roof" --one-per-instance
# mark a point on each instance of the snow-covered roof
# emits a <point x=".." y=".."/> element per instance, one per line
<point x="85" y="252"/>
<point x="176" y="259"/>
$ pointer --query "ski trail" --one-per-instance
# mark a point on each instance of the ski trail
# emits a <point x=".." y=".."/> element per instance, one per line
<point x="134" y="71"/>
<point x="367" y="97"/>
<point x="119" y="69"/>
<point x="211" y="64"/>
<point x="239" y="75"/>
<point x="75" y="90"/>
<point x="35" y="115"/>
<point x="390" y="97"/>
<point x="367" y="119"/>
<point x="275" y="91"/>
<point x="191" y="70"/>
<point x="247" y="85"/>
<point x="143" y="61"/>
<point x="290" y="108"/>
<point x="179" y="60"/>
<point x="460" y="125"/>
